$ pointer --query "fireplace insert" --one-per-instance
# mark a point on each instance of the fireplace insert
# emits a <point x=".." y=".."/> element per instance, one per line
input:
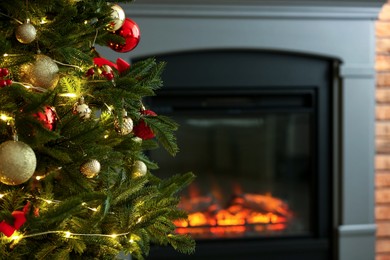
<point x="255" y="127"/>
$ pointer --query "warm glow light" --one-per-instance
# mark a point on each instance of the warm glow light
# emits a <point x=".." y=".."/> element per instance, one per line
<point x="2" y="195"/>
<point x="131" y="241"/>
<point x="16" y="236"/>
<point x="38" y="178"/>
<point x="139" y="220"/>
<point x="70" y="95"/>
<point x="43" y="21"/>
<point x="113" y="235"/>
<point x="4" y="117"/>
<point x="48" y="201"/>
<point x="67" y="234"/>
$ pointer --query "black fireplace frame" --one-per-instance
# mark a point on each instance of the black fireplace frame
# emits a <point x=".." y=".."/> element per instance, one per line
<point x="211" y="72"/>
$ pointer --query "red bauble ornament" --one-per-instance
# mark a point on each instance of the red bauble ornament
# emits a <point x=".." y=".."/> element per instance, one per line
<point x="142" y="130"/>
<point x="130" y="31"/>
<point x="48" y="118"/>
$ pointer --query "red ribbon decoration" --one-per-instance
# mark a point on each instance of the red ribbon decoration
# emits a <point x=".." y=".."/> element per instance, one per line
<point x="19" y="220"/>
<point x="142" y="130"/>
<point x="120" y="65"/>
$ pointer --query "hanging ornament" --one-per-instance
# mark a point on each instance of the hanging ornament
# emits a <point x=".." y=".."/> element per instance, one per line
<point x="4" y="81"/>
<point x="48" y="118"/>
<point x="43" y="72"/>
<point x="90" y="72"/>
<point x="82" y="109"/>
<point x="139" y="169"/>
<point x="131" y="33"/>
<point x="107" y="72"/>
<point x="142" y="130"/>
<point x="118" y="17"/>
<point x="127" y="125"/>
<point x="26" y="33"/>
<point x="18" y="162"/>
<point x="90" y="168"/>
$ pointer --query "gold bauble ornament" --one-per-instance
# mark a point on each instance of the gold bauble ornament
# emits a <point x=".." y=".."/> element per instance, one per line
<point x="139" y="169"/>
<point x="90" y="168"/>
<point x="17" y="162"/>
<point x="127" y="125"/>
<point x="118" y="17"/>
<point x="26" y="33"/>
<point x="43" y="72"/>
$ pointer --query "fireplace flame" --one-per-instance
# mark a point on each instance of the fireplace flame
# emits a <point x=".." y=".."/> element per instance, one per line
<point x="257" y="212"/>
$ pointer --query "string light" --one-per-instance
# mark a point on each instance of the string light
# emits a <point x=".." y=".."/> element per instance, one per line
<point x="11" y="55"/>
<point x="43" y="21"/>
<point x="65" y="234"/>
<point x="28" y="86"/>
<point x="68" y="65"/>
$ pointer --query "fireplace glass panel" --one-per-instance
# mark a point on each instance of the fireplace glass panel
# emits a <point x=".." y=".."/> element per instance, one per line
<point x="253" y="158"/>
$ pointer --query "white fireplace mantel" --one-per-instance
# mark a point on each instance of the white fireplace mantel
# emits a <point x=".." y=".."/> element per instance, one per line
<point x="343" y="30"/>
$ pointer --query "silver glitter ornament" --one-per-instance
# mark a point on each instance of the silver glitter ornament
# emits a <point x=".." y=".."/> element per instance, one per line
<point x="17" y="162"/>
<point x="26" y="33"/>
<point x="43" y="72"/>
<point x="90" y="168"/>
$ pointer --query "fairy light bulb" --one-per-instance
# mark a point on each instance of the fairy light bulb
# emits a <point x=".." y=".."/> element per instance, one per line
<point x="4" y="117"/>
<point x="16" y="237"/>
<point x="69" y="95"/>
<point x="67" y="234"/>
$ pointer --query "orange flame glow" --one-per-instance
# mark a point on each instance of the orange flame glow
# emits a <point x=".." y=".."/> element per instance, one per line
<point x="257" y="211"/>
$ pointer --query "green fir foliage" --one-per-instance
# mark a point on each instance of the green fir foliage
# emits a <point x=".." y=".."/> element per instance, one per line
<point x="70" y="214"/>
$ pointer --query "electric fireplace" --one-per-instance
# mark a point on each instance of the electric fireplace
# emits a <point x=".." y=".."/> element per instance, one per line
<point x="330" y="209"/>
<point x="255" y="128"/>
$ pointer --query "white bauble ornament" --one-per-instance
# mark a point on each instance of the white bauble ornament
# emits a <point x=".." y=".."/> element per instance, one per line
<point x="17" y="162"/>
<point x="82" y="109"/>
<point x="139" y="169"/>
<point x="43" y="72"/>
<point x="26" y="33"/>
<point x="118" y="17"/>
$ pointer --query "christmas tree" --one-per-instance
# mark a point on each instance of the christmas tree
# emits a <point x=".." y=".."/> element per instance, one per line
<point x="75" y="178"/>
